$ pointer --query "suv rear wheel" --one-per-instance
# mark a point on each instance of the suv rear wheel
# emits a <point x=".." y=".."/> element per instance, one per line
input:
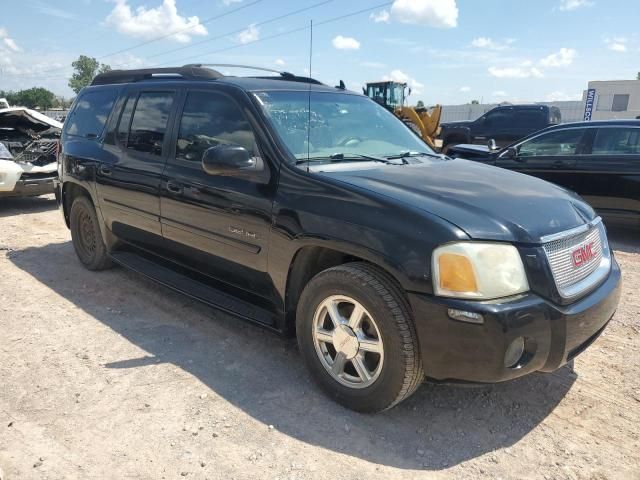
<point x="357" y="337"/>
<point x="86" y="235"/>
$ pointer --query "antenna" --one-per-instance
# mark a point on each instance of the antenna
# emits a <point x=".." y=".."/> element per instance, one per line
<point x="309" y="99"/>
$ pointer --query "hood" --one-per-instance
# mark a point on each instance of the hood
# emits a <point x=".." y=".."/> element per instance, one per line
<point x="461" y="123"/>
<point x="488" y="203"/>
<point x="27" y="121"/>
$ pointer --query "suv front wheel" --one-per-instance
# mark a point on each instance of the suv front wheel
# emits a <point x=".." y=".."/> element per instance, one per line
<point x="356" y="335"/>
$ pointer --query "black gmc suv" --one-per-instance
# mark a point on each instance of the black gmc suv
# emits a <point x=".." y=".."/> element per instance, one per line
<point x="504" y="125"/>
<point x="314" y="210"/>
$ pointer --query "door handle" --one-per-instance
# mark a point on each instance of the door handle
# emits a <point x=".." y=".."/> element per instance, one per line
<point x="561" y="164"/>
<point x="174" y="187"/>
<point x="105" y="170"/>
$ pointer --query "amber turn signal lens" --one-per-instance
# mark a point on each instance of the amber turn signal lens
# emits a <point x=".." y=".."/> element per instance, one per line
<point x="456" y="273"/>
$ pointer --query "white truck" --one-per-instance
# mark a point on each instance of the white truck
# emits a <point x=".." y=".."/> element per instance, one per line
<point x="28" y="152"/>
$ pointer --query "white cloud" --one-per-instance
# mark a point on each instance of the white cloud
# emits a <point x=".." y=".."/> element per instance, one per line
<point x="515" y="72"/>
<point x="280" y="62"/>
<point x="432" y="13"/>
<point x="561" y="58"/>
<point x="345" y="43"/>
<point x="8" y="41"/>
<point x="148" y="23"/>
<point x="489" y="44"/>
<point x="250" y="34"/>
<point x="568" y="5"/>
<point x="230" y="2"/>
<point x="499" y="93"/>
<point x="380" y="17"/>
<point x="465" y="89"/>
<point x="400" y="76"/>
<point x="616" y="44"/>
<point x="559" y="96"/>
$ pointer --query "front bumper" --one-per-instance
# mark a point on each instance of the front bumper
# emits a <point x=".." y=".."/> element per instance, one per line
<point x="453" y="350"/>
<point x="31" y="186"/>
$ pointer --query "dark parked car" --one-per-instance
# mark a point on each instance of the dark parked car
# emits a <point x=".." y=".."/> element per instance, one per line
<point x="598" y="160"/>
<point x="504" y="125"/>
<point x="388" y="261"/>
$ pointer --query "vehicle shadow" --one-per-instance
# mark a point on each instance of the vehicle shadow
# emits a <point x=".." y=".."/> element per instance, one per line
<point x="16" y="206"/>
<point x="261" y="373"/>
<point x="624" y="238"/>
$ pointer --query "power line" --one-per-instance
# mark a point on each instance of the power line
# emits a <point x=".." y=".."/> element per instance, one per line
<point x="205" y="21"/>
<point x="280" y="34"/>
<point x="259" y="24"/>
<point x="138" y="45"/>
<point x="182" y="60"/>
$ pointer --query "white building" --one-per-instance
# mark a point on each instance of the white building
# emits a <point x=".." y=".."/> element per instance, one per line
<point x="614" y="99"/>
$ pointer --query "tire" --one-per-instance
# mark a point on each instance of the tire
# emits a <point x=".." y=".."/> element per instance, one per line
<point x="86" y="235"/>
<point x="387" y="326"/>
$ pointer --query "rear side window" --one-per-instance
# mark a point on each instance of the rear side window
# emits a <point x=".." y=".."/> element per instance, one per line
<point x="149" y="122"/>
<point x="90" y="113"/>
<point x="563" y="142"/>
<point x="211" y="119"/>
<point x="616" y="141"/>
<point x="534" y="119"/>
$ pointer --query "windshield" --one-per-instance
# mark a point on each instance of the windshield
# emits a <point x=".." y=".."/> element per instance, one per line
<point x="340" y="124"/>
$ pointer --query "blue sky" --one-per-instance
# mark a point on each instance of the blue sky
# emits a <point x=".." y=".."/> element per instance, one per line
<point x="450" y="51"/>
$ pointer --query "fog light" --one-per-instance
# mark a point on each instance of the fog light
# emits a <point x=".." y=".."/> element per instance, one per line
<point x="464" y="316"/>
<point x="514" y="352"/>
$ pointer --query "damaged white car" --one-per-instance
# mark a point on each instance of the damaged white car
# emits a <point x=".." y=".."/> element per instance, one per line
<point x="28" y="152"/>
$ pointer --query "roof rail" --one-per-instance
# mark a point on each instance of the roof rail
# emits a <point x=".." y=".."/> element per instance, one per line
<point x="190" y="72"/>
<point x="284" y="75"/>
<point x="199" y="71"/>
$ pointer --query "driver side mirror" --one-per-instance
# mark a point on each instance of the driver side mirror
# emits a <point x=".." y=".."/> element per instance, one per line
<point x="510" y="153"/>
<point x="228" y="160"/>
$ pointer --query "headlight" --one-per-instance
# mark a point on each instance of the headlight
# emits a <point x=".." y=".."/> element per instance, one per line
<point x="478" y="270"/>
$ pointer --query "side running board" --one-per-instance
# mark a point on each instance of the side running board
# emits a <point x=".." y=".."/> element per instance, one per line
<point x="193" y="288"/>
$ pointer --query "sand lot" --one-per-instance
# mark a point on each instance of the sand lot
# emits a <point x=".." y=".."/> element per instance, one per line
<point x="110" y="376"/>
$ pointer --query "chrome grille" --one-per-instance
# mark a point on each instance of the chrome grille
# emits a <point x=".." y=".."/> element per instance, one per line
<point x="572" y="279"/>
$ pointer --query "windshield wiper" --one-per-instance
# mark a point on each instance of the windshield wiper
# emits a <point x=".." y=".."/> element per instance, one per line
<point x="408" y="154"/>
<point x="342" y="157"/>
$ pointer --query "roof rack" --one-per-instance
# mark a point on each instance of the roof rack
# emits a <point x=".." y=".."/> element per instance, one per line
<point x="189" y="72"/>
<point x="195" y="71"/>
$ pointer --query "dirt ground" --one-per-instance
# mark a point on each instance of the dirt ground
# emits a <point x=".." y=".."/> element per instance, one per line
<point x="109" y="376"/>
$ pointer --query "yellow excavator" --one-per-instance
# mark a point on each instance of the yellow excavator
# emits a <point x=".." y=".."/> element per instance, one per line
<point x="392" y="95"/>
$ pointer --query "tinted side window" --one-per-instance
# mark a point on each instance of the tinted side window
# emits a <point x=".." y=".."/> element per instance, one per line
<point x="499" y="119"/>
<point x="90" y="113"/>
<point x="563" y="142"/>
<point x="534" y="119"/>
<point x="149" y="122"/>
<point x="211" y="119"/>
<point x="616" y="141"/>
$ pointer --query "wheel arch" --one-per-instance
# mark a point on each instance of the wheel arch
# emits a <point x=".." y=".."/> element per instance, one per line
<point x="310" y="259"/>
<point x="72" y="190"/>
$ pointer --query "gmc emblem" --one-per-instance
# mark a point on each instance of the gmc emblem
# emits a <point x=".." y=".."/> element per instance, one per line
<point x="582" y="254"/>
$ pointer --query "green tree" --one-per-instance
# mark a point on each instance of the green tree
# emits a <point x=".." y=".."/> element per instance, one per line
<point x="85" y="69"/>
<point x="36" y="97"/>
<point x="475" y="102"/>
<point x="420" y="104"/>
